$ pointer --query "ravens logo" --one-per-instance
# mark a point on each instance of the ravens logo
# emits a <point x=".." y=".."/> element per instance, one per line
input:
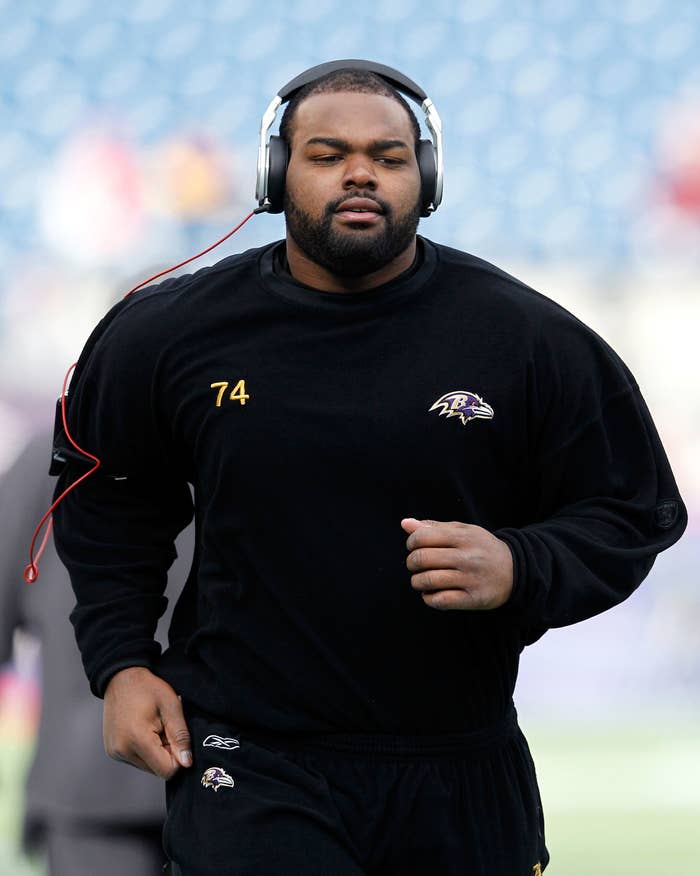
<point x="217" y="778"/>
<point x="463" y="404"/>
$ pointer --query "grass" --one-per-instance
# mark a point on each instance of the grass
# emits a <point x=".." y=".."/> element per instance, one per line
<point x="14" y="760"/>
<point x="624" y="844"/>
<point x="622" y="800"/>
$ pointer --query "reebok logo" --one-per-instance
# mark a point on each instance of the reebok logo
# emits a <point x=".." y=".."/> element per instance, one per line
<point x="226" y="742"/>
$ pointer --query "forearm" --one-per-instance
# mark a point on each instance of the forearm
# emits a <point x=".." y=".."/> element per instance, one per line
<point x="570" y="568"/>
<point x="116" y="540"/>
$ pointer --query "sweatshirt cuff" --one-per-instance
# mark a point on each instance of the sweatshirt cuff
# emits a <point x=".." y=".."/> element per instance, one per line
<point x="517" y="601"/>
<point x="98" y="684"/>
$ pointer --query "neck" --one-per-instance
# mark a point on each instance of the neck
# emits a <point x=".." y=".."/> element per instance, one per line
<point x="311" y="274"/>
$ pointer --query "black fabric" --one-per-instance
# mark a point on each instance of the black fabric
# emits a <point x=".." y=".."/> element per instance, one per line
<point x="306" y="810"/>
<point x="301" y="617"/>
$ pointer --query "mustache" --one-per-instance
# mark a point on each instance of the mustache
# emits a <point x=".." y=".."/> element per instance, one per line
<point x="333" y="205"/>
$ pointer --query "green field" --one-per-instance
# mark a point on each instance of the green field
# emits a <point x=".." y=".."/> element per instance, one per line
<point x="14" y="758"/>
<point x="621" y="801"/>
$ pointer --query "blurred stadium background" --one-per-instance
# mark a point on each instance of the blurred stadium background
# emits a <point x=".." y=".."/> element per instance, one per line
<point x="128" y="142"/>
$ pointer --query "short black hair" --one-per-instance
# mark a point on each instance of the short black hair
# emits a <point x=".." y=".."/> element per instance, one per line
<point x="357" y="81"/>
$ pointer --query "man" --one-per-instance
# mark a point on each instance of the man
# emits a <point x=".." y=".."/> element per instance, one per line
<point x="407" y="465"/>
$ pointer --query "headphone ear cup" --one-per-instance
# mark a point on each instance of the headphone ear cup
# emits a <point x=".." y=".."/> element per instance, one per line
<point x="427" y="166"/>
<point x="277" y="172"/>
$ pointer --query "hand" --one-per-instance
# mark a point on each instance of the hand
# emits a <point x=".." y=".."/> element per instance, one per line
<point x="457" y="565"/>
<point x="144" y="724"/>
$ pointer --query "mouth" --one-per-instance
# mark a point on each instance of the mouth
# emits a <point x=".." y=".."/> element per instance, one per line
<point x="359" y="211"/>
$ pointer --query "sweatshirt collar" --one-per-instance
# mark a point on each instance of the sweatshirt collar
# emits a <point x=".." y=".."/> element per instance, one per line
<point x="276" y="278"/>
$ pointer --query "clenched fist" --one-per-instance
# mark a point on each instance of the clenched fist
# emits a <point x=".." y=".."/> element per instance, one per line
<point x="458" y="565"/>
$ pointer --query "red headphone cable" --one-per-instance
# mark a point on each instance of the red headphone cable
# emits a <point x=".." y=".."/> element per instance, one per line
<point x="199" y="254"/>
<point x="31" y="570"/>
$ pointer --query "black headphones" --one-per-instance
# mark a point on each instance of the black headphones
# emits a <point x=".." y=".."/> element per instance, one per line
<point x="273" y="153"/>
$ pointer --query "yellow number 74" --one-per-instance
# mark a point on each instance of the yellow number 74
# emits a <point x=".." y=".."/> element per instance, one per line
<point x="238" y="392"/>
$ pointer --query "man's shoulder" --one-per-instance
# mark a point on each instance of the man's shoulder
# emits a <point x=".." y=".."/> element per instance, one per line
<point x="461" y="260"/>
<point x="158" y="316"/>
<point x="497" y="288"/>
<point x="486" y="274"/>
<point x="174" y="291"/>
<point x="172" y="302"/>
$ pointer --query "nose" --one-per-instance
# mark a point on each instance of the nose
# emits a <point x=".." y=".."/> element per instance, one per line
<point x="359" y="172"/>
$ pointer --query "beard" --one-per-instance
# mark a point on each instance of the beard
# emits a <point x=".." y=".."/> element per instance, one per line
<point x="354" y="252"/>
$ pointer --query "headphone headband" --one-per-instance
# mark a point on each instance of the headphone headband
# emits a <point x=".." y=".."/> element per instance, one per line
<point x="393" y="77"/>
<point x="430" y="155"/>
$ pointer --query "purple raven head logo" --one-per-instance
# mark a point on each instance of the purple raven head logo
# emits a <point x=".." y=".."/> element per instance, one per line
<point x="217" y="778"/>
<point x="463" y="404"/>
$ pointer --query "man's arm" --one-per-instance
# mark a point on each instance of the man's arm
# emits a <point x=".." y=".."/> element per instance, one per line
<point x="116" y="539"/>
<point x="608" y="504"/>
<point x="604" y="503"/>
<point x="115" y="535"/>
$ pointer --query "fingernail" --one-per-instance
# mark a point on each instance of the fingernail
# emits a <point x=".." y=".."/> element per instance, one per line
<point x="186" y="757"/>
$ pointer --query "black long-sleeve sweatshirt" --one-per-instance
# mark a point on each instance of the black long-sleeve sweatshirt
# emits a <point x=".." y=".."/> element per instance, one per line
<point x="310" y="423"/>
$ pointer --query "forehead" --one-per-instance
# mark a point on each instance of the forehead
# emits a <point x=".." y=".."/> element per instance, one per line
<point x="352" y="116"/>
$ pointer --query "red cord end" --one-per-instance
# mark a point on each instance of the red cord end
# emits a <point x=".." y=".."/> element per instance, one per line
<point x="31" y="573"/>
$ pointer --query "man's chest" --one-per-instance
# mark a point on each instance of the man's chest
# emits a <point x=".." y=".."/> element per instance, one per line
<point x="358" y="404"/>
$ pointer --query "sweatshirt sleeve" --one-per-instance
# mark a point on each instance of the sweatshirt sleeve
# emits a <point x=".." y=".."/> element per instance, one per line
<point x="603" y="497"/>
<point x="115" y="531"/>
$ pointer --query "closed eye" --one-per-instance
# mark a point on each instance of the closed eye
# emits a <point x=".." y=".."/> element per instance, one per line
<point x="333" y="159"/>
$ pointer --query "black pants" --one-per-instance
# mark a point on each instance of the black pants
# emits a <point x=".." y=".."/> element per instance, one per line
<point x="355" y="805"/>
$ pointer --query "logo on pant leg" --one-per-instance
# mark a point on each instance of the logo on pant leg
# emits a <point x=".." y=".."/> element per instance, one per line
<point x="216" y="778"/>
<point x="537" y="869"/>
<point x="213" y="741"/>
